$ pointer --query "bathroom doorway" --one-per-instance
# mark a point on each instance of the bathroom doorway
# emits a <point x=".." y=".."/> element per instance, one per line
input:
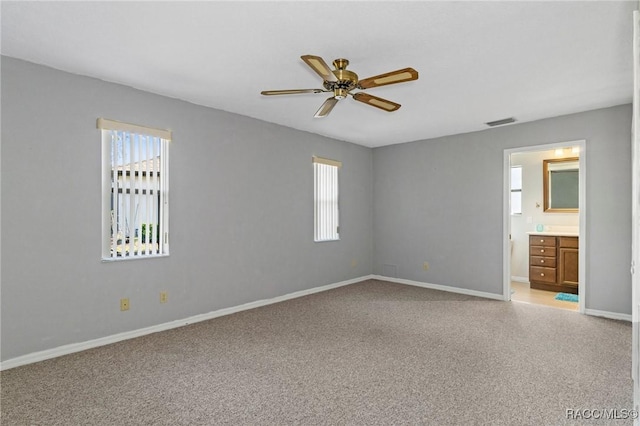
<point x="544" y="230"/>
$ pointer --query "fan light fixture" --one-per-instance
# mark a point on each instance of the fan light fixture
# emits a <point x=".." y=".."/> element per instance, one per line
<point x="341" y="82"/>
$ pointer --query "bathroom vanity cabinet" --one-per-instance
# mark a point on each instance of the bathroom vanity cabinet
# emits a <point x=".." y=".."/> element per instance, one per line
<point x="553" y="263"/>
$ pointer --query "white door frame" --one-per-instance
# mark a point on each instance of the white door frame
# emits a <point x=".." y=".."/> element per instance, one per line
<point x="635" y="217"/>
<point x="582" y="211"/>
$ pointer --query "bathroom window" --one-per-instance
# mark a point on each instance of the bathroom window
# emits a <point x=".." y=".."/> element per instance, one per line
<point x="516" y="190"/>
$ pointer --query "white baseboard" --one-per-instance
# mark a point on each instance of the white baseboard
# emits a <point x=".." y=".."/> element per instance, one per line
<point x="440" y="287"/>
<point x="78" y="347"/>
<point x="607" y="314"/>
<point x="593" y="312"/>
<point x="520" y="279"/>
<point x="102" y="341"/>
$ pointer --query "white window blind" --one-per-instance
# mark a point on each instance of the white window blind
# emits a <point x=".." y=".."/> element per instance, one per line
<point x="325" y="196"/>
<point x="135" y="191"/>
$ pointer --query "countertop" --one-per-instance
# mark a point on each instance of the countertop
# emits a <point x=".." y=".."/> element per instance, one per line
<point x="555" y="233"/>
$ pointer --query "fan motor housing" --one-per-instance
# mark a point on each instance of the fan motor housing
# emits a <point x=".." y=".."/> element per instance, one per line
<point x="347" y="80"/>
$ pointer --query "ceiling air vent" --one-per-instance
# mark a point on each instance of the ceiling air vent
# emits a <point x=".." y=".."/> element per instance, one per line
<point x="501" y="122"/>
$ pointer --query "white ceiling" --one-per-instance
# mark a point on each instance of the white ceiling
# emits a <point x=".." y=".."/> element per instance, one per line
<point x="478" y="61"/>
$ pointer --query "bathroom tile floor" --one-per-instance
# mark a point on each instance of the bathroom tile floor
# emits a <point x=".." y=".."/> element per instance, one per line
<point x="524" y="294"/>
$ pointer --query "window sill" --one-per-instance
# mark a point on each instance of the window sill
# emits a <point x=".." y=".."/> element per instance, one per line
<point x="121" y="259"/>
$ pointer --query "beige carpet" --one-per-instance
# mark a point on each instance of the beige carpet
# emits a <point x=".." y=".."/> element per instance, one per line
<point x="369" y="353"/>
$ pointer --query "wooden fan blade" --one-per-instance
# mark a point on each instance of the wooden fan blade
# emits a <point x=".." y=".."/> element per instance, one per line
<point x="376" y="101"/>
<point x="290" y="91"/>
<point x="319" y="66"/>
<point x="393" y="77"/>
<point x="326" y="107"/>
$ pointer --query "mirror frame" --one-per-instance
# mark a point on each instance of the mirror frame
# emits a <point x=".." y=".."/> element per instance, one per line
<point x="546" y="184"/>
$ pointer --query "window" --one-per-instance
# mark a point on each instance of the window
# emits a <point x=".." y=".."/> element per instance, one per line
<point x="135" y="189"/>
<point x="325" y="199"/>
<point x="516" y="190"/>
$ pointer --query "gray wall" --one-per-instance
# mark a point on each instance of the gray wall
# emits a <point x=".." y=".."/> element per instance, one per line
<point x="440" y="201"/>
<point x="241" y="212"/>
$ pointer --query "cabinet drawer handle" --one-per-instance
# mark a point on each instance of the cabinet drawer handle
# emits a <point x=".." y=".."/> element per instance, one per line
<point x="542" y="251"/>
<point x="542" y="261"/>
<point x="542" y="274"/>
<point x="542" y="241"/>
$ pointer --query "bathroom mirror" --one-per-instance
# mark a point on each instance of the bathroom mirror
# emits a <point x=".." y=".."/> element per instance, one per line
<point x="560" y="185"/>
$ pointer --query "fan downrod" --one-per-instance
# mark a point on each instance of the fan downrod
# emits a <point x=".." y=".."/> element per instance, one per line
<point x="341" y="63"/>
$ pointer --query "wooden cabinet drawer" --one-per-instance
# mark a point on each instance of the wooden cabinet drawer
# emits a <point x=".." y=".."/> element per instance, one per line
<point x="542" y="240"/>
<point x="549" y="262"/>
<point x="542" y="251"/>
<point x="538" y="273"/>
<point x="569" y="242"/>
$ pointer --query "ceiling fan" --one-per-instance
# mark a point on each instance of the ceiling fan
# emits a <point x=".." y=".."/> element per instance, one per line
<point x="341" y="82"/>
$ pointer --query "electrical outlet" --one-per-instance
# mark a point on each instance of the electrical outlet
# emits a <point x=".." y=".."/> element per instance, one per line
<point x="164" y="297"/>
<point x="425" y="266"/>
<point x="124" y="304"/>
